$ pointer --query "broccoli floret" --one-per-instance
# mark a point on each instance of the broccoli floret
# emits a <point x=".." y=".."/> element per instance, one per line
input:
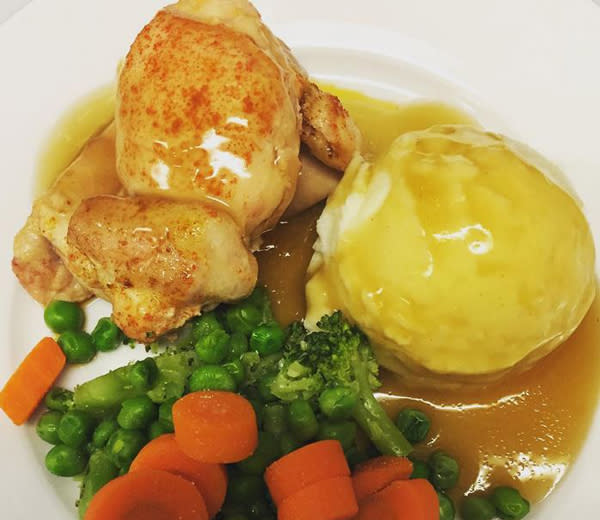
<point x="338" y="354"/>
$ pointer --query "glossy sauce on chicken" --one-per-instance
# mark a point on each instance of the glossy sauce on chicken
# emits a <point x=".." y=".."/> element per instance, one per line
<point x="525" y="430"/>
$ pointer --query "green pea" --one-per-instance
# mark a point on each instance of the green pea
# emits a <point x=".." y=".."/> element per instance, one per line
<point x="156" y="429"/>
<point x="238" y="345"/>
<point x="477" y="508"/>
<point x="266" y="453"/>
<point x="288" y="443"/>
<point x="420" y="470"/>
<point x="103" y="432"/>
<point x="233" y="510"/>
<point x="106" y="335"/>
<point x="338" y="403"/>
<point x="344" y="431"/>
<point x="205" y="324"/>
<point x="509" y="503"/>
<point x="243" y="318"/>
<point x="65" y="461"/>
<point x="264" y="387"/>
<point x="302" y="420"/>
<point x="75" y="428"/>
<point x="137" y="413"/>
<point x="142" y="374"/>
<point x="447" y="511"/>
<point x="77" y="345"/>
<point x="244" y="489"/>
<point x="124" y="445"/>
<point x="59" y="399"/>
<point x="355" y="455"/>
<point x="444" y="470"/>
<point x="213" y="347"/>
<point x="165" y="415"/>
<point x="237" y="370"/>
<point x="211" y="377"/>
<point x="413" y="424"/>
<point x="267" y="339"/>
<point x="236" y="516"/>
<point x="275" y="418"/>
<point x="259" y="510"/>
<point x="47" y="427"/>
<point x="61" y="316"/>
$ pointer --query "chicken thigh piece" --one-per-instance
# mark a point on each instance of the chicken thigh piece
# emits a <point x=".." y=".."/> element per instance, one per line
<point x="159" y="261"/>
<point x="41" y="256"/>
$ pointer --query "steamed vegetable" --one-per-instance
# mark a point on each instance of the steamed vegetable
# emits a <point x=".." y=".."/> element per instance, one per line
<point x="338" y="355"/>
<point x="104" y="394"/>
<point x="215" y="427"/>
<point x="304" y="467"/>
<point x="375" y="474"/>
<point x="61" y="316"/>
<point x="136" y="494"/>
<point x="164" y="453"/>
<point x="31" y="380"/>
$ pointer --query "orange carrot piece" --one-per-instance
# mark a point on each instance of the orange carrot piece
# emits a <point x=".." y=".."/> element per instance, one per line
<point x="215" y="427"/>
<point x="402" y="500"/>
<point x="31" y="381"/>
<point x="375" y="474"/>
<point x="305" y="466"/>
<point x="165" y="454"/>
<point x="331" y="499"/>
<point x="147" y="495"/>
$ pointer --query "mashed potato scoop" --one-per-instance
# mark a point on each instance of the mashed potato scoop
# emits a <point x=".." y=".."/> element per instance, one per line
<point x="458" y="251"/>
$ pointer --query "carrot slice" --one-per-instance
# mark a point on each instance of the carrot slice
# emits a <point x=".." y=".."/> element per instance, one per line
<point x="331" y="499"/>
<point x="147" y="495"/>
<point x="312" y="463"/>
<point x="165" y="454"/>
<point x="215" y="427"/>
<point x="402" y="500"/>
<point x="375" y="474"/>
<point x="31" y="381"/>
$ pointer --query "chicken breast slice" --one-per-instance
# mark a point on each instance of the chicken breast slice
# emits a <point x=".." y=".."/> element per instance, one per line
<point x="159" y="261"/>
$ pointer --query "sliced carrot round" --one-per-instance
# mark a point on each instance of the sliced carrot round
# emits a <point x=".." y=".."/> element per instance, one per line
<point x="165" y="454"/>
<point x="215" y="427"/>
<point x="402" y="500"/>
<point x="147" y="495"/>
<point x="331" y="499"/>
<point x="312" y="463"/>
<point x="375" y="474"/>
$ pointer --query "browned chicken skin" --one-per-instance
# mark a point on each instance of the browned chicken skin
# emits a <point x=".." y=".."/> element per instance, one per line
<point x="160" y="260"/>
<point x="211" y="110"/>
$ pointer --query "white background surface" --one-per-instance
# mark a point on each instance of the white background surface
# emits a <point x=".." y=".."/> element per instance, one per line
<point x="8" y="7"/>
<point x="525" y="67"/>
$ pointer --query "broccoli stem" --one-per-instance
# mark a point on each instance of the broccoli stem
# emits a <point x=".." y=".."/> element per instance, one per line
<point x="373" y="419"/>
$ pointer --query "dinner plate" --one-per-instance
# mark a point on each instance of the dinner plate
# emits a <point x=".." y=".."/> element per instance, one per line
<point x="523" y="67"/>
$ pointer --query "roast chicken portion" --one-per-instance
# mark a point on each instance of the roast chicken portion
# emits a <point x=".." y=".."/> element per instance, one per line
<point x="159" y="260"/>
<point x="211" y="111"/>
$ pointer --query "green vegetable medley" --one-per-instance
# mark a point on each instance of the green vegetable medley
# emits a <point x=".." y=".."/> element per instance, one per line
<point x="303" y="385"/>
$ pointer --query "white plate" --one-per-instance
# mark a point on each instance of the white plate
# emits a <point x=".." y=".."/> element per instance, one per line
<point x="521" y="66"/>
